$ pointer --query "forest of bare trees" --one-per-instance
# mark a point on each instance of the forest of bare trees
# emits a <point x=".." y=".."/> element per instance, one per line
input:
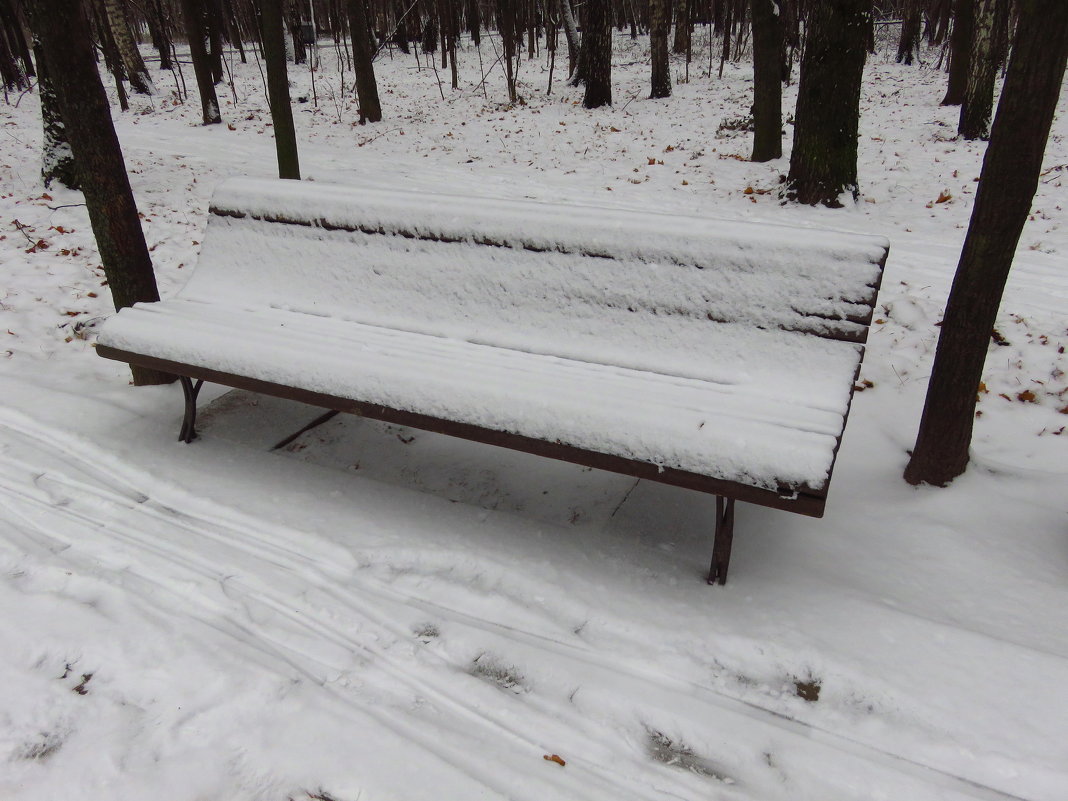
<point x="820" y="44"/>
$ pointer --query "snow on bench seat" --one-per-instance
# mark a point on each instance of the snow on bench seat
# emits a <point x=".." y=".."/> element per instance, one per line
<point x="728" y="350"/>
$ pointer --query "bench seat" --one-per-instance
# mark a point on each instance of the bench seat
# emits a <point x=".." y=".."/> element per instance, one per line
<point x="737" y="431"/>
<point x="714" y="356"/>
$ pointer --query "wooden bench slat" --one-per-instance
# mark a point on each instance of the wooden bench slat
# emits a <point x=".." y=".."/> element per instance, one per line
<point x="733" y="432"/>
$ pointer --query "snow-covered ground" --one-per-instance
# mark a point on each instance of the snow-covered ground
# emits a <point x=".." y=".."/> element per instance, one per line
<point x="379" y="613"/>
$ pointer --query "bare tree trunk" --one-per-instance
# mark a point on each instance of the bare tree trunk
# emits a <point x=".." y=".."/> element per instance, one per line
<point x="659" y="24"/>
<point x="1007" y="186"/>
<point x="960" y="52"/>
<point x="160" y="31"/>
<point x="681" y="43"/>
<point x="571" y="32"/>
<point x="274" y="50"/>
<point x="136" y="71"/>
<point x="978" y="102"/>
<point x="508" y="26"/>
<point x="366" y="86"/>
<point x="767" y="80"/>
<point x="57" y="159"/>
<point x="63" y="32"/>
<point x="909" y="43"/>
<point x="194" y="12"/>
<point x="597" y="45"/>
<point x="823" y="164"/>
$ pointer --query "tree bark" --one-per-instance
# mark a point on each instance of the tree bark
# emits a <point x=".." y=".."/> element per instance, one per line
<point x="597" y="45"/>
<point x="509" y="30"/>
<point x="909" y="42"/>
<point x="1007" y="186"/>
<point x="366" y="86"/>
<point x="63" y="32"/>
<point x="274" y="51"/>
<point x="823" y="164"/>
<point x="136" y="71"/>
<point x="571" y="32"/>
<point x="683" y="30"/>
<point x="960" y="52"/>
<point x="978" y="102"/>
<point x="194" y="12"/>
<point x="659" y="25"/>
<point x="57" y="159"/>
<point x="767" y="80"/>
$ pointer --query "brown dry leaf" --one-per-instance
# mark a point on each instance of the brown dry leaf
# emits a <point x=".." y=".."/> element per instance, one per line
<point x="944" y="197"/>
<point x="652" y="162"/>
<point x="554" y="758"/>
<point x="748" y="190"/>
<point x="1062" y="410"/>
<point x="1027" y="396"/>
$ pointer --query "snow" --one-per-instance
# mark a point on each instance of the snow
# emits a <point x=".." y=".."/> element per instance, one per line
<point x="373" y="612"/>
<point x="657" y="348"/>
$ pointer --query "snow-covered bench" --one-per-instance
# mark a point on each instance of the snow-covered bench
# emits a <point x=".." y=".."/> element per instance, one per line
<point x="717" y="356"/>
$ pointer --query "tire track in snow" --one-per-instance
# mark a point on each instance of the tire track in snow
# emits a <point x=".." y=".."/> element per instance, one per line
<point x="112" y="490"/>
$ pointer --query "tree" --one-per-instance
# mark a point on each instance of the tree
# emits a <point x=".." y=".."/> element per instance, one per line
<point x="571" y="32"/>
<point x="659" y="23"/>
<point x="1007" y="186"/>
<point x="597" y="54"/>
<point x="985" y="58"/>
<point x="767" y="80"/>
<point x="366" y="86"/>
<point x="63" y="31"/>
<point x="195" y="12"/>
<point x="57" y="159"/>
<point x="136" y="71"/>
<point x="274" y="53"/>
<point x="823" y="164"/>
<point x="909" y="42"/>
<point x="960" y="52"/>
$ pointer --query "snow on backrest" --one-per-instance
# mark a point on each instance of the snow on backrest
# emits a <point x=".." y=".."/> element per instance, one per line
<point x="599" y="284"/>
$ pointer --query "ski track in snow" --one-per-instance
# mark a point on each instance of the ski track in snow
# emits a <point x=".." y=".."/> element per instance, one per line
<point x="255" y="565"/>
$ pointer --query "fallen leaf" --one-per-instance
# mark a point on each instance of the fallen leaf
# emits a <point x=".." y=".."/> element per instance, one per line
<point x="554" y="758"/>
<point x="1027" y="396"/>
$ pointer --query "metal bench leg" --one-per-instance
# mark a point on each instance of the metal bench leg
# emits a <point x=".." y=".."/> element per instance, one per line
<point x="191" y="390"/>
<point x="721" y="549"/>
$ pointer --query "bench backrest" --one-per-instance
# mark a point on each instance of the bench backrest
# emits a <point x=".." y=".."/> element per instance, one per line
<point x="681" y="295"/>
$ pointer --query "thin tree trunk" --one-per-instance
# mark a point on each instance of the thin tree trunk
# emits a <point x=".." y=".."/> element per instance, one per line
<point x="1007" y="187"/>
<point x="63" y="31"/>
<point x="366" y="86"/>
<point x="194" y="12"/>
<point x="659" y="25"/>
<point x="597" y="44"/>
<point x="213" y="26"/>
<point x="823" y="164"/>
<point x="136" y="71"/>
<point x="909" y="42"/>
<point x="571" y="32"/>
<point x="960" y="52"/>
<point x="508" y="25"/>
<point x="681" y="43"/>
<point x="274" y="49"/>
<point x="978" y="102"/>
<point x="767" y="80"/>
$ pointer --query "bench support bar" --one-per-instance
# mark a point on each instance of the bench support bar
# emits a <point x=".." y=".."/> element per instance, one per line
<point x="721" y="548"/>
<point x="190" y="390"/>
